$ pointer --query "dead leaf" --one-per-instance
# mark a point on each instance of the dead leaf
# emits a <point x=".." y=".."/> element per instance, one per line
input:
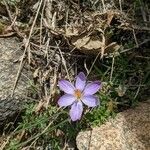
<point x="110" y="16"/>
<point x="112" y="47"/>
<point x="71" y="31"/>
<point x="59" y="133"/>
<point x="81" y="42"/>
<point x="121" y="90"/>
<point x="91" y="44"/>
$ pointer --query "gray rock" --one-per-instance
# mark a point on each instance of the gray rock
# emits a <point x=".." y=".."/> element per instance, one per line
<point x="130" y="130"/>
<point x="9" y="54"/>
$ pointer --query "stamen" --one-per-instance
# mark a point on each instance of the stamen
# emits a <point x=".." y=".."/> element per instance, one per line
<point x="78" y="94"/>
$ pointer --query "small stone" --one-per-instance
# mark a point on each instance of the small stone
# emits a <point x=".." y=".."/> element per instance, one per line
<point x="130" y="130"/>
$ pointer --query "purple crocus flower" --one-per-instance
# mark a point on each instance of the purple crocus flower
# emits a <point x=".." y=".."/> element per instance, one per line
<point x="76" y="96"/>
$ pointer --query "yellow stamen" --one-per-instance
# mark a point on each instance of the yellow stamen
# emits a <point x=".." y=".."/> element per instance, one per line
<point x="78" y="94"/>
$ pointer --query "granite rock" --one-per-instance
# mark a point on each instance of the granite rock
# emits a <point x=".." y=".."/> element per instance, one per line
<point x="129" y="130"/>
<point x="10" y="54"/>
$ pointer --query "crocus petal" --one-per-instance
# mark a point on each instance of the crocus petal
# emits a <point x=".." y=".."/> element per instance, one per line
<point x="66" y="86"/>
<point x="90" y="100"/>
<point x="80" y="81"/>
<point x="92" y="88"/>
<point x="66" y="100"/>
<point x="76" y="111"/>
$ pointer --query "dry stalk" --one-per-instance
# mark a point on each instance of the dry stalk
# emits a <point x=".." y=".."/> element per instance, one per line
<point x="140" y="44"/>
<point x="26" y="48"/>
<point x="112" y="68"/>
<point x="63" y="61"/>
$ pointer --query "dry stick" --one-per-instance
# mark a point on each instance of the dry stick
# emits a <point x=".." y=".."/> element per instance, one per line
<point x="112" y="68"/>
<point x="66" y="19"/>
<point x="7" y="8"/>
<point x="7" y="35"/>
<point x="142" y="10"/>
<point x="46" y="48"/>
<point x="63" y="61"/>
<point x="126" y="50"/>
<point x="85" y="66"/>
<point x="103" y="3"/>
<point x="142" y="57"/>
<point x="93" y="63"/>
<point x="29" y="54"/>
<point x="130" y="27"/>
<point x="120" y="5"/>
<point x="26" y="48"/>
<point x="13" y="21"/>
<point x="136" y="42"/>
<point x="41" y="24"/>
<point x="95" y="2"/>
<point x="9" y="14"/>
<point x="138" y="90"/>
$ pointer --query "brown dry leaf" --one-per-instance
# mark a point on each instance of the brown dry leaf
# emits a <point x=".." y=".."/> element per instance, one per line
<point x="88" y="44"/>
<point x="59" y="133"/>
<point x="71" y="32"/>
<point x="93" y="40"/>
<point x="112" y="47"/>
<point x="121" y="90"/>
<point x="93" y="44"/>
<point x="81" y="42"/>
<point x="110" y="16"/>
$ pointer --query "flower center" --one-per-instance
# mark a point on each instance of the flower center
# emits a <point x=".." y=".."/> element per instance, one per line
<point x="78" y="94"/>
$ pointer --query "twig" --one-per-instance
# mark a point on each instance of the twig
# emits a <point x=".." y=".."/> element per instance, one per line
<point x="63" y="61"/>
<point x="143" y="57"/>
<point x="120" y="5"/>
<point x="135" y="27"/>
<point x="112" y="68"/>
<point x="136" y="42"/>
<point x="138" y="90"/>
<point x="7" y="8"/>
<point x="7" y="35"/>
<point x="126" y="50"/>
<point x="26" y="48"/>
<point x="93" y="63"/>
<point x="41" y="22"/>
<point x="103" y="3"/>
<point x="142" y="10"/>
